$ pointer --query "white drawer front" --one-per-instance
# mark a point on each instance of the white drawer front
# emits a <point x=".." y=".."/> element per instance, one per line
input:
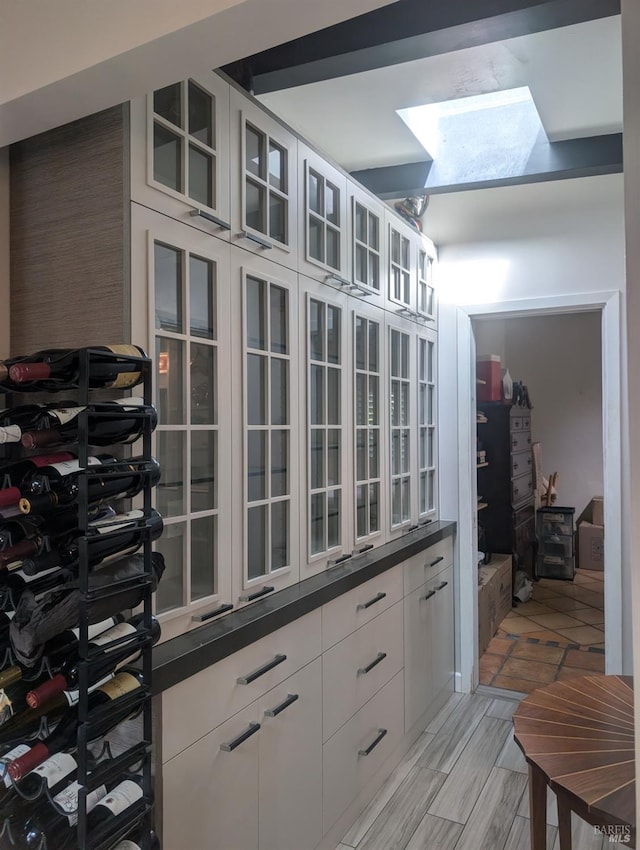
<point x="357" y="667"/>
<point x="199" y="704"/>
<point x="346" y="768"/>
<point x="348" y="612"/>
<point x="426" y="564"/>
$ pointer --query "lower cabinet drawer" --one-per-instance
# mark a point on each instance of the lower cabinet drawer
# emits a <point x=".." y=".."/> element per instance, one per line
<point x="521" y="463"/>
<point x="360" y="747"/>
<point x="424" y="565"/>
<point x="357" y="667"/>
<point x="521" y="488"/>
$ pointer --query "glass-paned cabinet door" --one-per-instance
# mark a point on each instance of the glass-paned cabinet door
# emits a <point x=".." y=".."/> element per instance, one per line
<point x="323" y="220"/>
<point x="426" y="285"/>
<point x="402" y="242"/>
<point x="366" y="245"/>
<point x="180" y="152"/>
<point x="402" y="462"/>
<point x="188" y="338"/>
<point x="325" y="355"/>
<point x="427" y="370"/>
<point x="264" y="312"/>
<point x="264" y="183"/>
<point x="369" y="424"/>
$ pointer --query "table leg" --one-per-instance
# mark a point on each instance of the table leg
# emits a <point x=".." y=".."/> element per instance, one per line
<point x="564" y="822"/>
<point x="537" y="808"/>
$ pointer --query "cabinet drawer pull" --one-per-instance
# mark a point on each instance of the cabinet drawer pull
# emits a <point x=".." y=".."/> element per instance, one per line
<point x="200" y="618"/>
<point x="249" y="597"/>
<point x="373" y="744"/>
<point x="363" y="605"/>
<point x="515" y="465"/>
<point x="274" y="712"/>
<point x="363" y="549"/>
<point x="212" y="218"/>
<point x="251" y="730"/>
<point x="437" y="561"/>
<point x="428" y="595"/>
<point x="337" y="561"/>
<point x="379" y="657"/>
<point x="442" y="584"/>
<point x="263" y="243"/>
<point x="336" y="278"/>
<point x="251" y="677"/>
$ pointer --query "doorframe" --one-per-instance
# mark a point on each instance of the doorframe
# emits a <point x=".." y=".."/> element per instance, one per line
<point x="609" y="305"/>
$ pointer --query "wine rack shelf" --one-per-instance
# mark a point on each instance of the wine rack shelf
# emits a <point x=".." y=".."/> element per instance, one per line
<point x="124" y="782"/>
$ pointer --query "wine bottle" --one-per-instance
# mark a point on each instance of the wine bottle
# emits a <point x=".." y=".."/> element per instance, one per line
<point x="121" y="535"/>
<point x="65" y="734"/>
<point x="117" y="479"/>
<point x="137" y="839"/>
<point x="15" y="473"/>
<point x="55" y="773"/>
<point x="59" y="368"/>
<point x="108" y="422"/>
<point x="32" y="534"/>
<point x="13" y="585"/>
<point x="37" y="621"/>
<point x="113" y="810"/>
<point x="112" y="660"/>
<point x="48" y="828"/>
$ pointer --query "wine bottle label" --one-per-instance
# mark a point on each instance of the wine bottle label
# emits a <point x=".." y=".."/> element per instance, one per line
<point x="27" y="578"/>
<point x="130" y="401"/>
<point x="117" y="522"/>
<point x="10" y="434"/>
<point x="65" y="414"/>
<point x="95" y="629"/>
<point x="125" y="379"/>
<point x="15" y="753"/>
<point x="66" y="467"/>
<point x="68" y="800"/>
<point x="54" y="769"/>
<point x="73" y="697"/>
<point x="49" y="460"/>
<point x="120" y="685"/>
<point x="127" y="845"/>
<point x="6" y="707"/>
<point x="116" y="632"/>
<point x="122" y="797"/>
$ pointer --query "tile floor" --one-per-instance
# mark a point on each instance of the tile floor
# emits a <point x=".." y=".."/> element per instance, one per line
<point x="557" y="634"/>
<point x="462" y="786"/>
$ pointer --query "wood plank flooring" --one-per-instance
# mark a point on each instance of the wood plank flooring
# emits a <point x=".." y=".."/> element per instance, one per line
<point x="462" y="786"/>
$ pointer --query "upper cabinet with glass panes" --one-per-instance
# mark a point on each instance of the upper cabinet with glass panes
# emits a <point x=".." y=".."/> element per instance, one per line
<point x="180" y="152"/>
<point x="264" y="183"/>
<point x="367" y="248"/>
<point x="322" y="220"/>
<point x="427" y="301"/>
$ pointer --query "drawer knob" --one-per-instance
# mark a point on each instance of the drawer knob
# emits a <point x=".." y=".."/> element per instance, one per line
<point x="437" y="561"/>
<point x="377" y="598"/>
<point x="515" y="465"/>
<point x="374" y="743"/>
<point x="231" y="745"/>
<point x="274" y="712"/>
<point x="379" y="657"/>
<point x="251" y="677"/>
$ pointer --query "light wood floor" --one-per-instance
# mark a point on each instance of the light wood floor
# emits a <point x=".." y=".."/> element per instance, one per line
<point x="463" y="786"/>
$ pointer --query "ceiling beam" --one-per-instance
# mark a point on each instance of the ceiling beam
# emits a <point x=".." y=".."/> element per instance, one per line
<point x="404" y="31"/>
<point x="586" y="157"/>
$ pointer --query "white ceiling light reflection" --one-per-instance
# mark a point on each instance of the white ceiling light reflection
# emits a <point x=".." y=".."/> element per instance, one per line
<point x="468" y="282"/>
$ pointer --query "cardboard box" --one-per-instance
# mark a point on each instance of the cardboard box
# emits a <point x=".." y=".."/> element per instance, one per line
<point x="590" y="546"/>
<point x="494" y="597"/>
<point x="593" y="513"/>
<point x="488" y="372"/>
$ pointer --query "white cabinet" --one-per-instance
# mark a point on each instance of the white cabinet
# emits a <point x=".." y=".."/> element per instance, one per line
<point x="427" y="293"/>
<point x="402" y="264"/>
<point x="427" y="431"/>
<point x="180" y="152"/>
<point x="367" y="245"/>
<point x="443" y="632"/>
<point x="264" y="410"/>
<point x="322" y="219"/>
<point x="264" y="183"/>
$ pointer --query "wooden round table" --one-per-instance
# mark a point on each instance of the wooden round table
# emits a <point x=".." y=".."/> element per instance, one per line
<point x="578" y="738"/>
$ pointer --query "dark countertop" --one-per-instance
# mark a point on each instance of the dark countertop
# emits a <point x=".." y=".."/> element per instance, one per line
<point x="188" y="654"/>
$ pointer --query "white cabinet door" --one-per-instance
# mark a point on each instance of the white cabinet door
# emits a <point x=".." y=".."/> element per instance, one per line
<point x="181" y="317"/>
<point x="180" y="152"/>
<point x="402" y="265"/>
<point x="264" y="183"/>
<point x="427" y="425"/>
<point x="367" y="245"/>
<point x="264" y="410"/>
<point x="322" y="220"/>
<point x="290" y="755"/>
<point x="443" y="631"/>
<point x="427" y="293"/>
<point x="419" y="607"/>
<point x="210" y="790"/>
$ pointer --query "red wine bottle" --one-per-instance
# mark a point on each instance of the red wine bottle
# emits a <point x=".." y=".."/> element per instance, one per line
<point x="55" y="774"/>
<point x="14" y="584"/>
<point x="20" y="539"/>
<point x="107" y="423"/>
<point x="117" y="479"/>
<point x="64" y="735"/>
<point x="114" y="810"/>
<point x="121" y="535"/>
<point x="13" y="475"/>
<point x="59" y="368"/>
<point x="112" y="660"/>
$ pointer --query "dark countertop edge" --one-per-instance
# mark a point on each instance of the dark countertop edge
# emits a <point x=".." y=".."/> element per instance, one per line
<point x="188" y="654"/>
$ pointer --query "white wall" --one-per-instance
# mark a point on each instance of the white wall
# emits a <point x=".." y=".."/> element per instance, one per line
<point x="559" y="358"/>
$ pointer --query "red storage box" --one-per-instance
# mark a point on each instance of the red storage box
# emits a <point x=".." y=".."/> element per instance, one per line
<point x="488" y="372"/>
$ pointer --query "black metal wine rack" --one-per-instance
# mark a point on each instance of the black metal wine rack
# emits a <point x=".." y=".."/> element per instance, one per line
<point x="136" y="760"/>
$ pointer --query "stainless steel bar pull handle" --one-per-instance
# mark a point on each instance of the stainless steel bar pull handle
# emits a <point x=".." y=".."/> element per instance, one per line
<point x="231" y="745"/>
<point x="437" y="561"/>
<point x="363" y="605"/>
<point x="249" y="597"/>
<point x="373" y="744"/>
<point x="274" y="712"/>
<point x="442" y="584"/>
<point x="212" y="218"/>
<point x="251" y="677"/>
<point x="379" y="657"/>
<point x="428" y="595"/>
<point x="200" y="618"/>
<point x="263" y="243"/>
